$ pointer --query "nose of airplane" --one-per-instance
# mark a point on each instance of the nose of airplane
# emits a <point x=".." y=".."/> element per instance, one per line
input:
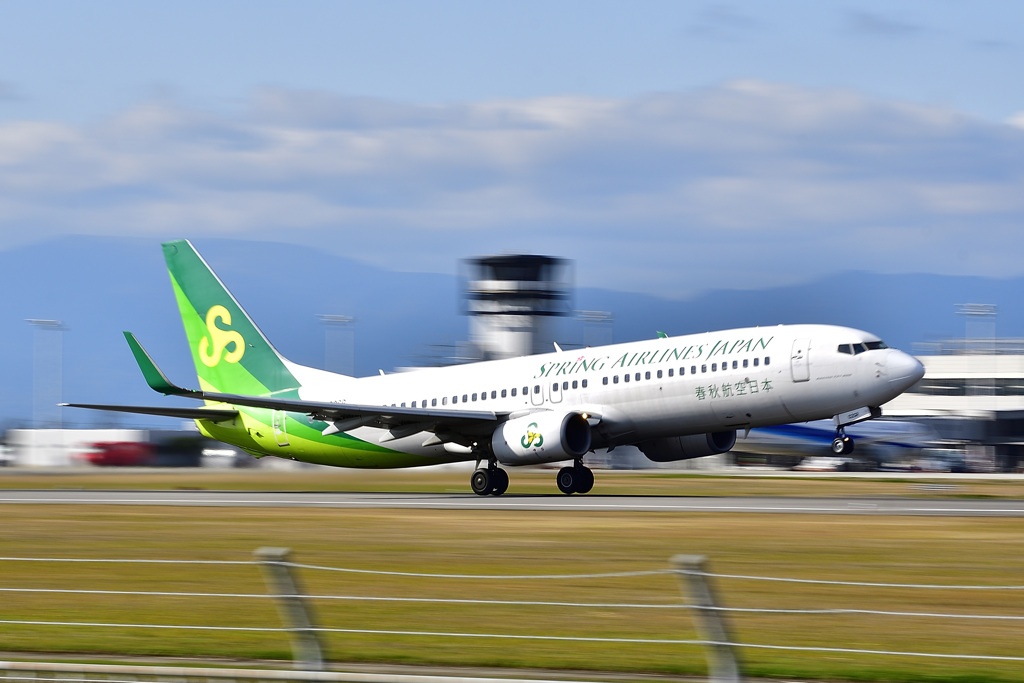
<point x="903" y="370"/>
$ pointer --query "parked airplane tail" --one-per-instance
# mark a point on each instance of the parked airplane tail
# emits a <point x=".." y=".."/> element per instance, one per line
<point x="230" y="353"/>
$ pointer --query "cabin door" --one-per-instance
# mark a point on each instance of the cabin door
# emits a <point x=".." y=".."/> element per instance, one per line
<point x="799" y="361"/>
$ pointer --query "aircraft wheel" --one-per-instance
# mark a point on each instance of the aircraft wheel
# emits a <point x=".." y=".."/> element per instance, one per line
<point x="499" y="481"/>
<point x="839" y="445"/>
<point x="584" y="480"/>
<point x="480" y="482"/>
<point x="566" y="480"/>
<point x="847" y="445"/>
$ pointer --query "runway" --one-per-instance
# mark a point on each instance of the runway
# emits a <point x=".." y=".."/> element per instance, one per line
<point x="467" y="501"/>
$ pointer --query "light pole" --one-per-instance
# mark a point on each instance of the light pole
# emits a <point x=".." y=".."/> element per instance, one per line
<point x="47" y="372"/>
<point x="339" y="343"/>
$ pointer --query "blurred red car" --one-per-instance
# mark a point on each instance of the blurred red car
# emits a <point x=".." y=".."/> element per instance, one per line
<point x="120" y="454"/>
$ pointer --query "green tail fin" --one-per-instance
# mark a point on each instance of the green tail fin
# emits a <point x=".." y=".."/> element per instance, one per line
<point x="230" y="353"/>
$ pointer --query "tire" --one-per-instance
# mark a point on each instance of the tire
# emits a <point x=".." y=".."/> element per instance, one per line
<point x="838" y="446"/>
<point x="480" y="482"/>
<point x="847" y="446"/>
<point x="499" y="481"/>
<point x="584" y="480"/>
<point x="566" y="480"/>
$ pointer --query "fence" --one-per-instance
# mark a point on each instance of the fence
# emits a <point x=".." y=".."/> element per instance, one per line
<point x="302" y="627"/>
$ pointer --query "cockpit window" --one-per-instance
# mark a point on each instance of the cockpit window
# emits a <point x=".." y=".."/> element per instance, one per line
<point x="875" y="345"/>
<point x="859" y="348"/>
<point x="845" y="348"/>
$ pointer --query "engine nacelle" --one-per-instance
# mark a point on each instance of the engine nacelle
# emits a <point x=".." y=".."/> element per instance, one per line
<point x="541" y="437"/>
<point x="674" y="448"/>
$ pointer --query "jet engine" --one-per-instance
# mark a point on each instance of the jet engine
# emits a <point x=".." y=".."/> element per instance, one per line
<point x="672" y="448"/>
<point x="541" y="437"/>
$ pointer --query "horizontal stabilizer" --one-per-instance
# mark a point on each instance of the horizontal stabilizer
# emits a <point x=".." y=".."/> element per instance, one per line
<point x="213" y="414"/>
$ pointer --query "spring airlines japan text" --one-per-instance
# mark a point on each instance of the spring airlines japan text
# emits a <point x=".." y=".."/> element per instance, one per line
<point x="721" y="347"/>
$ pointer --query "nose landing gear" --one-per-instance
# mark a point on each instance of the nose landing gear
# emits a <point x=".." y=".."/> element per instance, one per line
<point x="842" y="444"/>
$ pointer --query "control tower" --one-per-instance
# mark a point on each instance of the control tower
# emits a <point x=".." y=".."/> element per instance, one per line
<point x="512" y="301"/>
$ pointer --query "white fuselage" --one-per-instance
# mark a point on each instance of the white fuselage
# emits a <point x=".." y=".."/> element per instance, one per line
<point x="632" y="392"/>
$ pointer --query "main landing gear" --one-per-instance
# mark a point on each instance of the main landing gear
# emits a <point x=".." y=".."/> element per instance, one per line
<point x="490" y="480"/>
<point x="575" y="479"/>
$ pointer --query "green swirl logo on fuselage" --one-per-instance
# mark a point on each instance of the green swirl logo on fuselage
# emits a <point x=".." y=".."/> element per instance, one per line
<point x="532" y="439"/>
<point x="220" y="339"/>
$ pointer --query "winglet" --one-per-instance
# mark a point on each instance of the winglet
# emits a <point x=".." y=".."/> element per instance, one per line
<point x="662" y="335"/>
<point x="155" y="377"/>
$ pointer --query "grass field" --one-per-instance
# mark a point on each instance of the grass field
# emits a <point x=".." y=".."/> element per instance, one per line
<point x="931" y="550"/>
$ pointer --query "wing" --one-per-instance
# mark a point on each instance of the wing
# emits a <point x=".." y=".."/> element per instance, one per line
<point x="446" y="424"/>
<point x="213" y="414"/>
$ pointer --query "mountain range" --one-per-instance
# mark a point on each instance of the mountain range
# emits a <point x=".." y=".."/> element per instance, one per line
<point x="98" y="287"/>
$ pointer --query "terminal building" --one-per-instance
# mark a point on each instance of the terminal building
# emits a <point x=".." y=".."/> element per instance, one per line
<point x="972" y="396"/>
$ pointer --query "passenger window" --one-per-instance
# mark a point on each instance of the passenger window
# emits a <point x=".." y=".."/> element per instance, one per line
<point x="693" y="370"/>
<point x="565" y="385"/>
<point x="455" y="399"/>
<point x="585" y="383"/>
<point x="714" y="367"/>
<point x="745" y="361"/>
<point x="735" y="364"/>
<point x="671" y="372"/>
<point x="474" y="397"/>
<point x="414" y="404"/>
<point x="433" y="403"/>
<point x="526" y="390"/>
<point x="604" y="381"/>
<point x="756" y="361"/>
<point x="615" y="379"/>
<point x="465" y="398"/>
<point x="767" y="360"/>
<point x="444" y="400"/>
<point x="647" y="375"/>
<point x="513" y="391"/>
<point x="483" y="396"/>
<point x="554" y="387"/>
<point x="637" y="377"/>
<point x="625" y="378"/>
<point x="536" y="388"/>
<point x="659" y="374"/>
<point x="703" y="368"/>
<point x="494" y="394"/>
<point x="403" y="404"/>
<point x="504" y="393"/>
<point x="575" y="384"/>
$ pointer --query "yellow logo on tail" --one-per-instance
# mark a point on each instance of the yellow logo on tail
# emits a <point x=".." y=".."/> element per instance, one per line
<point x="220" y="339"/>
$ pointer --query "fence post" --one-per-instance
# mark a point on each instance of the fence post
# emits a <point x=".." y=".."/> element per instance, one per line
<point x="297" y="616"/>
<point x="723" y="662"/>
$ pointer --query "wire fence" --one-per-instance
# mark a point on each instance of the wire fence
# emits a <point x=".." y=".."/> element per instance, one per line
<point x="691" y="602"/>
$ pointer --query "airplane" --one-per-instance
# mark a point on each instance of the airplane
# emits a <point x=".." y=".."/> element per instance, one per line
<point x="673" y="397"/>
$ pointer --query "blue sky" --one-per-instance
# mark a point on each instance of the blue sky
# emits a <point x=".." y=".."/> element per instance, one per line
<point x="669" y="147"/>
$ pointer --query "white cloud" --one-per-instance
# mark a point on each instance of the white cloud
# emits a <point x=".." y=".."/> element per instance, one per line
<point x="744" y="184"/>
